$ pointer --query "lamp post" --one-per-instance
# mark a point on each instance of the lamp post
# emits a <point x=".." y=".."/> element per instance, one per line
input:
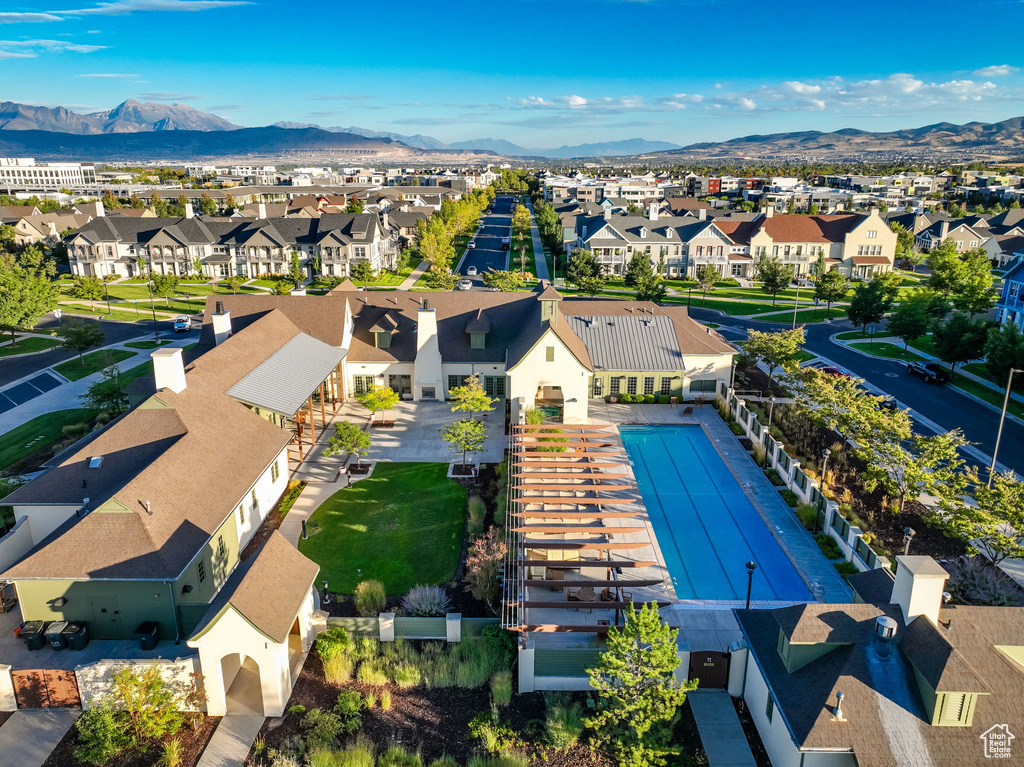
<point x="824" y="466"/>
<point x="1002" y="419"/>
<point x="771" y="410"/>
<point x="796" y="301"/>
<point x="326" y="597"/>
<point x="751" y="566"/>
<point x="689" y="296"/>
<point x="152" y="305"/>
<point x="908" y="535"/>
<point x="106" y="295"/>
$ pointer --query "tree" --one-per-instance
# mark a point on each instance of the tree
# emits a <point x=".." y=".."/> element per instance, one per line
<point x="160" y="206"/>
<point x="506" y="282"/>
<point x="947" y="269"/>
<point x="471" y="397"/>
<point x="136" y="202"/>
<point x="354" y="206"/>
<point x="830" y="287"/>
<point x="584" y="270"/>
<point x="773" y="349"/>
<point x="706" y="277"/>
<point x="434" y="244"/>
<point x="869" y="304"/>
<point x="651" y="287"/>
<point x="905" y="250"/>
<point x="88" y="287"/>
<point x="206" y="205"/>
<point x="907" y="468"/>
<point x="1004" y="349"/>
<point x="79" y="336"/>
<point x="774" y="275"/>
<point x="441" y="279"/>
<point x="107" y="394"/>
<point x="229" y="205"/>
<point x="26" y="291"/>
<point x="818" y="268"/>
<point x="348" y="438"/>
<point x="973" y="293"/>
<point x="840" y="404"/>
<point x="483" y="564"/>
<point x="639" y="265"/>
<point x="295" y="272"/>
<point x="110" y="201"/>
<point x="959" y="339"/>
<point x="910" y="320"/>
<point x="165" y="286"/>
<point x="465" y="436"/>
<point x="197" y="266"/>
<point x="791" y="206"/>
<point x="379" y="398"/>
<point x="363" y="271"/>
<point x="234" y="282"/>
<point x="521" y="219"/>
<point x="638" y="695"/>
<point x="991" y="522"/>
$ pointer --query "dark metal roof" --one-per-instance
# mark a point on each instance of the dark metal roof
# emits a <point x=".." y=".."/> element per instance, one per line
<point x="637" y="342"/>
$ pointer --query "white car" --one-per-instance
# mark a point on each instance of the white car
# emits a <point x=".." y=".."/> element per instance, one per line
<point x="471" y="245"/>
<point x="465" y="284"/>
<point x="472" y="272"/>
<point x="182" y="323"/>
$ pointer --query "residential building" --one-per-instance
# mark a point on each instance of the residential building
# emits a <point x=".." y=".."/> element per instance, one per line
<point x="959" y="231"/>
<point x="1010" y="306"/>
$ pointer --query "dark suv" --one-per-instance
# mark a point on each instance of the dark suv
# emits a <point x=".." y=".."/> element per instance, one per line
<point x="931" y="372"/>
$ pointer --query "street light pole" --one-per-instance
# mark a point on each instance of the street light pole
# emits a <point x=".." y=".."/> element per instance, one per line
<point x="771" y="410"/>
<point x="751" y="566"/>
<point x="796" y="300"/>
<point x="1002" y="419"/>
<point x="824" y="466"/>
<point x="908" y="534"/>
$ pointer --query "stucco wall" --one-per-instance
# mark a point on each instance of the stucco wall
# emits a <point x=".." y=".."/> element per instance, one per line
<point x="16" y="543"/>
<point x="94" y="679"/>
<point x="43" y="520"/>
<point x="534" y="371"/>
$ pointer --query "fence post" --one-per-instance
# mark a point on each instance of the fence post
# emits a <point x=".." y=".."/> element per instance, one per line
<point x="386" y="623"/>
<point x="453" y="626"/>
<point x="526" y="661"/>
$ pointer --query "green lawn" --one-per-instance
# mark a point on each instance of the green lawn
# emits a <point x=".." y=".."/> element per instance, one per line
<point x="890" y="351"/>
<point x="802" y="357"/>
<point x="990" y="396"/>
<point x="117" y="315"/>
<point x="27" y="345"/>
<point x="41" y="431"/>
<point x="146" y="344"/>
<point x="402" y="526"/>
<point x="851" y="335"/>
<point x="925" y="344"/>
<point x="94" y="361"/>
<point x="732" y="308"/>
<point x="807" y="315"/>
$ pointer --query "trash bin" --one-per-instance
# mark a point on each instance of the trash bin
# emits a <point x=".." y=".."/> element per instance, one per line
<point x="32" y="633"/>
<point x="148" y="633"/>
<point x="54" y="635"/>
<point x="76" y="635"/>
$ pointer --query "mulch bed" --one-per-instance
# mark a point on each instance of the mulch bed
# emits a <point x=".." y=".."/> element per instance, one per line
<point x="4" y="716"/>
<point x="757" y="379"/>
<point x="193" y="741"/>
<point x="359" y="468"/>
<point x="750" y="731"/>
<point x="747" y="444"/>
<point x="463" y="469"/>
<point x="382" y="425"/>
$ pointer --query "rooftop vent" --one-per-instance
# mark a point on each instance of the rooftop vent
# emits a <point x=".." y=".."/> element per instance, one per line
<point x="885" y="630"/>
<point x="220" y="307"/>
<point x="837" y="712"/>
<point x="96" y="461"/>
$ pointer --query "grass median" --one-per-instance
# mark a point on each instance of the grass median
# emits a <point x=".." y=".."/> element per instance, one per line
<point x="28" y="345"/>
<point x="888" y="351"/>
<point x="93" y="362"/>
<point x="38" y="433"/>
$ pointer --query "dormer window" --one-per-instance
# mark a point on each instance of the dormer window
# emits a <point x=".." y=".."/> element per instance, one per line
<point x="643" y="232"/>
<point x="382" y="339"/>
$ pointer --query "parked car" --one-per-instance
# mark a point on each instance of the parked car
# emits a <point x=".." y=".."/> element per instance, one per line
<point x="471" y="271"/>
<point x="465" y="284"/>
<point x="833" y="371"/>
<point x="506" y="243"/>
<point x="931" y="372"/>
<point x="182" y="323"/>
<point x="471" y="244"/>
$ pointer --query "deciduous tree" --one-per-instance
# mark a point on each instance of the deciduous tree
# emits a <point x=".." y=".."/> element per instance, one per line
<point x="959" y="339"/>
<point x="907" y="468"/>
<point x="585" y="272"/>
<point x="79" y="336"/>
<point x="107" y="394"/>
<point x="773" y="349"/>
<point x="165" y="286"/>
<point x="1004" y="349"/>
<point x="348" y="438"/>
<point x="465" y="436"/>
<point x="379" y="398"/>
<point x="471" y="397"/>
<point x="910" y="320"/>
<point x="830" y="287"/>
<point x="992" y="522"/>
<point x="506" y="282"/>
<point x="706" y="277"/>
<point x="869" y="304"/>
<point x="774" y="275"/>
<point x="87" y="287"/>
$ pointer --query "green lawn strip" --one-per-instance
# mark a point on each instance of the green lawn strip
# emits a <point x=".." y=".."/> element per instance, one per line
<point x="28" y="345"/>
<point x="990" y="396"/>
<point x="887" y="350"/>
<point x="924" y="344"/>
<point x="146" y="344"/>
<point x="402" y="526"/>
<point x="117" y="315"/>
<point x="41" y="431"/>
<point x="807" y="315"/>
<point x="92" y="362"/>
<point x="803" y="356"/>
<point x="980" y="369"/>
<point x="729" y="307"/>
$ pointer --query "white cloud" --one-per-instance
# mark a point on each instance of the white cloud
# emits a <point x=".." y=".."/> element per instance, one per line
<point x="997" y="70"/>
<point x="577" y="101"/>
<point x="121" y="7"/>
<point x="165" y="96"/>
<point x="746" y="103"/>
<point x="106" y="75"/>
<point x="26" y="18"/>
<point x="27" y="49"/>
<point x="13" y="55"/>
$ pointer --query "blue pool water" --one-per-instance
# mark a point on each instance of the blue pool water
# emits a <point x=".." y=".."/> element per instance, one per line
<point x="706" y="527"/>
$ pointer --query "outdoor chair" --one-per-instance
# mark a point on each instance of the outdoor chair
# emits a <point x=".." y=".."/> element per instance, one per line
<point x="688" y="411"/>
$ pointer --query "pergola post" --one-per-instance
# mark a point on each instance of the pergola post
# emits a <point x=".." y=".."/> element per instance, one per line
<point x="334" y="393"/>
<point x="341" y="384"/>
<point x="323" y="393"/>
<point x="312" y="419"/>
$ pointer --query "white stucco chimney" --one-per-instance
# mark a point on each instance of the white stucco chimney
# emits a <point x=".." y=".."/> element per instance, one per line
<point x="427" y="368"/>
<point x="221" y="324"/>
<point x="918" y="588"/>
<point x="189" y="210"/>
<point x="702" y="214"/>
<point x="768" y="210"/>
<point x="168" y="369"/>
<point x="261" y="210"/>
<point x="652" y="212"/>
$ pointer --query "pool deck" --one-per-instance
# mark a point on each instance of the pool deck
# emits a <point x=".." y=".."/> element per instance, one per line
<point x="825" y="584"/>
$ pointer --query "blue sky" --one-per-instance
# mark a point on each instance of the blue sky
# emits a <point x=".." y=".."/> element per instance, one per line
<point x="536" y="72"/>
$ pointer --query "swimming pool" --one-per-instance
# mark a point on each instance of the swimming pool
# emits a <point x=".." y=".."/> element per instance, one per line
<point x="706" y="526"/>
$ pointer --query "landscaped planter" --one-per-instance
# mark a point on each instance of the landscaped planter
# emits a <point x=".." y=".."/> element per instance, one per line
<point x="360" y="469"/>
<point x="462" y="470"/>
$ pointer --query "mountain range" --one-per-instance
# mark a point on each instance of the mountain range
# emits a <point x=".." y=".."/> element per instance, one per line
<point x="134" y="130"/>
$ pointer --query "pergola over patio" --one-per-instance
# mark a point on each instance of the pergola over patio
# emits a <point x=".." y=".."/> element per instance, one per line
<point x="575" y="531"/>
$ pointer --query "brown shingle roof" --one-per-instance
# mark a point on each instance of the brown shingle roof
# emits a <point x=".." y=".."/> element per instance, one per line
<point x="800" y="228"/>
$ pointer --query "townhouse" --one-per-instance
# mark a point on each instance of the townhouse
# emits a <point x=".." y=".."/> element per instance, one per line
<point x="1010" y="306"/>
<point x="959" y="231"/>
<point x="225" y="247"/>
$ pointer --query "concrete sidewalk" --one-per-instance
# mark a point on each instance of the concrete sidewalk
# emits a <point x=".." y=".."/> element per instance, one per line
<point x="416" y="273"/>
<point x="720" y="730"/>
<point x="28" y="737"/>
<point x="232" y="741"/>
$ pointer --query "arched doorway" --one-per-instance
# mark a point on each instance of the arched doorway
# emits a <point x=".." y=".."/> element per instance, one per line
<point x="242" y="684"/>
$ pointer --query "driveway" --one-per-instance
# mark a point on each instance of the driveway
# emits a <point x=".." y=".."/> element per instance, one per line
<point x="488" y="253"/>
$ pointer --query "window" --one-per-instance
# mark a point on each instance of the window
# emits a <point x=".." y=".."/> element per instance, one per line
<point x="382" y="339"/>
<point x="615" y="385"/>
<point x="454" y="381"/>
<point x="275" y="471"/>
<point x="871" y="234"/>
<point x="400" y="383"/>
<point x="494" y="386"/>
<point x="362" y="384"/>
<point x="201" y="570"/>
<point x="785" y="250"/>
<point x="598" y="390"/>
<point x="705" y="385"/>
<point x="648" y="384"/>
<point x="737" y="270"/>
<point x="255" y="504"/>
<point x="221" y="548"/>
<point x="631" y="385"/>
<point x="477" y="340"/>
<point x="769" y="707"/>
<point x="549" y="354"/>
<point x="775" y="250"/>
<point x="666" y="385"/>
<point x="241" y="514"/>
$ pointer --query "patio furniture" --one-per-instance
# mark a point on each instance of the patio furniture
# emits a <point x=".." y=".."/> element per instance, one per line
<point x="688" y="411"/>
<point x="8" y="597"/>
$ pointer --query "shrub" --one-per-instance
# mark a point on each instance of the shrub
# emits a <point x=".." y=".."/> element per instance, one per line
<point x="321" y="728"/>
<point x="348" y="706"/>
<point x="284" y="760"/>
<point x="505" y="760"/>
<point x="298" y="708"/>
<point x="501" y="688"/>
<point x="358" y="755"/>
<point x="807" y="513"/>
<point x="428" y="601"/>
<point x="827" y="544"/>
<point x="444" y="761"/>
<point x="649" y="399"/>
<point x="396" y="756"/>
<point x="723" y="408"/>
<point x="500" y="645"/>
<point x="760" y="455"/>
<point x="975" y="582"/>
<point x="790" y="497"/>
<point x="333" y="642"/>
<point x="385" y="701"/>
<point x="774" y="477"/>
<point x="563" y="721"/>
<point x="338" y="669"/>
<point x="172" y="755"/>
<point x="737" y="428"/>
<point x="845" y="568"/>
<point x="664" y="399"/>
<point x="477" y="514"/>
<point x="495" y="738"/>
<point x="100" y="734"/>
<point x="372" y="671"/>
<point x="406" y="674"/>
<point x="370" y="598"/>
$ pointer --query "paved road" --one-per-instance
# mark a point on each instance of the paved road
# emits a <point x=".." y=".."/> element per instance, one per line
<point x="939" y="404"/>
<point x="488" y="253"/>
<point x="20" y="365"/>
